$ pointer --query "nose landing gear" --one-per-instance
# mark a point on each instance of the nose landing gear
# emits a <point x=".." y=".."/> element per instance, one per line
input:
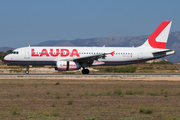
<point x="27" y="69"/>
<point x="85" y="71"/>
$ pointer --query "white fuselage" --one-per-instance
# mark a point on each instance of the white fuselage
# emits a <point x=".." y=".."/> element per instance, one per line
<point x="50" y="55"/>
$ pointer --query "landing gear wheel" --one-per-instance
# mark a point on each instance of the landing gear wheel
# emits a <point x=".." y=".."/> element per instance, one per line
<point x="27" y="72"/>
<point x="85" y="71"/>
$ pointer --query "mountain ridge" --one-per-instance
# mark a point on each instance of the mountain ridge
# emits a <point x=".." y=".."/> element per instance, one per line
<point x="4" y="49"/>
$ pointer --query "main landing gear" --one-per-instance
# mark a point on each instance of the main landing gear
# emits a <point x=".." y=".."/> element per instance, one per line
<point x="27" y="69"/>
<point x="85" y="71"/>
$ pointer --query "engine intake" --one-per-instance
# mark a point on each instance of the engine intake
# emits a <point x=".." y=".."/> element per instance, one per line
<point x="66" y="65"/>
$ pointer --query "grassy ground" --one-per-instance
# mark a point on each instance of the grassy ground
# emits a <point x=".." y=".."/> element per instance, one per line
<point x="150" y="68"/>
<point x="141" y="68"/>
<point x="89" y="100"/>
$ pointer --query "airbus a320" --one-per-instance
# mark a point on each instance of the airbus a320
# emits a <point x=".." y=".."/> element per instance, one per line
<point x="75" y="58"/>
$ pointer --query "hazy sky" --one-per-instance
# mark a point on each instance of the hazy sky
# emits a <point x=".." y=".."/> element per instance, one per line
<point x="29" y="22"/>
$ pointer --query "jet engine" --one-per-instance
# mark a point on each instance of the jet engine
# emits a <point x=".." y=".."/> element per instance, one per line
<point x="67" y="65"/>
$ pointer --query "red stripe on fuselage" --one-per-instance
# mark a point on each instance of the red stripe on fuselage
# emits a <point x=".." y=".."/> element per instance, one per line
<point x="27" y="61"/>
<point x="101" y="61"/>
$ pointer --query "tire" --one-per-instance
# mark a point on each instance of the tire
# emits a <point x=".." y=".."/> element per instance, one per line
<point x="27" y="72"/>
<point x="85" y="71"/>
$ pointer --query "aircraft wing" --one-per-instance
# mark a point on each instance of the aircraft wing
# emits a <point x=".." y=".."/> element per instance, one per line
<point x="90" y="57"/>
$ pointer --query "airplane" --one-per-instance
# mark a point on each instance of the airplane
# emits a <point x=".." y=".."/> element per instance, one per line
<point x="75" y="58"/>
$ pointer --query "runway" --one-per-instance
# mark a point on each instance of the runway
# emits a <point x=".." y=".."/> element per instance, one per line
<point x="92" y="75"/>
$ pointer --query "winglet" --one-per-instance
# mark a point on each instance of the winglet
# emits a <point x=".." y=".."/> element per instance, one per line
<point x="112" y="53"/>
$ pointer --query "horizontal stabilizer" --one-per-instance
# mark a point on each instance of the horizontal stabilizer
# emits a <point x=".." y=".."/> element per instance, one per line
<point x="164" y="53"/>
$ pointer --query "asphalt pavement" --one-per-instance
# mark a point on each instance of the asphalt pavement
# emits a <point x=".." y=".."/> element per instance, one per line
<point x="92" y="74"/>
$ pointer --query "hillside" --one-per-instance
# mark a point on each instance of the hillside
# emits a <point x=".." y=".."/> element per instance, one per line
<point x="100" y="41"/>
<point x="4" y="49"/>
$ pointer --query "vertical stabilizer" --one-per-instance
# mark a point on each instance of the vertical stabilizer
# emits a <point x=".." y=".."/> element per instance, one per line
<point x="159" y="37"/>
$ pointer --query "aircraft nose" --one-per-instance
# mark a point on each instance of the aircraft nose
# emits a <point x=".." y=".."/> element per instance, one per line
<point x="6" y="57"/>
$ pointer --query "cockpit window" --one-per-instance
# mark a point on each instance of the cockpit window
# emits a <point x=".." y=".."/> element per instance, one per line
<point x="15" y="52"/>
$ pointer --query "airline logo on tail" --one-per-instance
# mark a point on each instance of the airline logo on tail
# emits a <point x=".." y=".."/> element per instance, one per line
<point x="159" y="37"/>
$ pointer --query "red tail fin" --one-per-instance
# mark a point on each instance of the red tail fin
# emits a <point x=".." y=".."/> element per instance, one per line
<point x="159" y="37"/>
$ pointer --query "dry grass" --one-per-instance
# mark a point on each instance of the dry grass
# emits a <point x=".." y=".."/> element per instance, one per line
<point x="141" y="68"/>
<point x="90" y="99"/>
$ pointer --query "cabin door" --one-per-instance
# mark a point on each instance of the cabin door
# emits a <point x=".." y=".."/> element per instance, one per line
<point x="140" y="54"/>
<point x="27" y="53"/>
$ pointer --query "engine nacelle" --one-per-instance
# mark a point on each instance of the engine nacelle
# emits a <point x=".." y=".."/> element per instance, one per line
<point x="67" y="65"/>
